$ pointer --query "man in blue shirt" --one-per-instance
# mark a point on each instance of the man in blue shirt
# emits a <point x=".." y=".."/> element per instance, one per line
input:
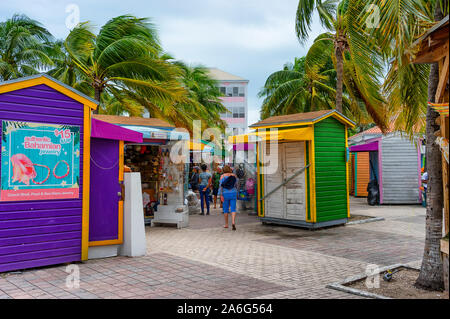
<point x="204" y="187"/>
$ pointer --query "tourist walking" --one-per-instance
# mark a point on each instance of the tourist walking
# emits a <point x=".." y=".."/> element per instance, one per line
<point x="194" y="179"/>
<point x="204" y="187"/>
<point x="216" y="185"/>
<point x="228" y="194"/>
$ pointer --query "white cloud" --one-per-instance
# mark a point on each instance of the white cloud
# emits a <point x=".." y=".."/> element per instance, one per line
<point x="249" y="38"/>
<point x="221" y="33"/>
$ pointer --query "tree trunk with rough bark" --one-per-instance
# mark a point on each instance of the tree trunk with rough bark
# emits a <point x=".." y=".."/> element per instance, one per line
<point x="431" y="274"/>
<point x="339" y="76"/>
<point x="98" y="93"/>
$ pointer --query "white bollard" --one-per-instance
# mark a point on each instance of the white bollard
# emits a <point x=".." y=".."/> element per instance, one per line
<point x="134" y="240"/>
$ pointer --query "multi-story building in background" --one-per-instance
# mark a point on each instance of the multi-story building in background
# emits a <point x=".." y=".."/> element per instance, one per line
<point x="234" y="89"/>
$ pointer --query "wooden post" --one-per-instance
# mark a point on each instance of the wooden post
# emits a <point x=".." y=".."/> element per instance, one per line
<point x="440" y="97"/>
<point x="443" y="78"/>
<point x="445" y="180"/>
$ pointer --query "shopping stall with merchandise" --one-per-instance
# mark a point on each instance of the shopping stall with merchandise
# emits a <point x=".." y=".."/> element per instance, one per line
<point x="164" y="183"/>
<point x="244" y="164"/>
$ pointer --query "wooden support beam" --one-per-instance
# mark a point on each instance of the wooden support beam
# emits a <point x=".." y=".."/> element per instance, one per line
<point x="443" y="79"/>
<point x="431" y="54"/>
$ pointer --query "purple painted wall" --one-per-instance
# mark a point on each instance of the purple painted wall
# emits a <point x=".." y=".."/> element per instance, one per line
<point x="104" y="188"/>
<point x="40" y="233"/>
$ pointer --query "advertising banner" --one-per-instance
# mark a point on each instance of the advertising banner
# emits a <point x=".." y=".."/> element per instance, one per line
<point x="39" y="161"/>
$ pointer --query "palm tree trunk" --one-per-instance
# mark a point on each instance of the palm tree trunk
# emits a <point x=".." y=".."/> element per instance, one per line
<point x="431" y="275"/>
<point x="98" y="92"/>
<point x="339" y="75"/>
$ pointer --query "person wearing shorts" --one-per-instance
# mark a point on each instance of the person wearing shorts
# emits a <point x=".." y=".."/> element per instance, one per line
<point x="228" y="195"/>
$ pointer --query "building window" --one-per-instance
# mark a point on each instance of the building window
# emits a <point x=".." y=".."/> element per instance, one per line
<point x="241" y="91"/>
<point x="236" y="91"/>
<point x="223" y="90"/>
<point x="229" y="91"/>
<point x="241" y="112"/>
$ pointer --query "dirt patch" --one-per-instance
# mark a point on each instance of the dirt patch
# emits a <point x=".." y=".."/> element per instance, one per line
<point x="287" y="232"/>
<point x="355" y="218"/>
<point x="400" y="287"/>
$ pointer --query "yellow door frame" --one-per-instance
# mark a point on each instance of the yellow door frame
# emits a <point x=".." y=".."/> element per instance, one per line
<point x="119" y="239"/>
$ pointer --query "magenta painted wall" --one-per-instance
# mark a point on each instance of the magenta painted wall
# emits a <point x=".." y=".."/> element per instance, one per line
<point x="40" y="233"/>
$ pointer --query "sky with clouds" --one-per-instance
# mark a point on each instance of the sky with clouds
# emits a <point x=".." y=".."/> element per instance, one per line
<point x="248" y="38"/>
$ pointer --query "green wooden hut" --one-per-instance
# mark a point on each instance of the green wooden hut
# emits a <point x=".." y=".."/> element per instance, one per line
<point x="302" y="162"/>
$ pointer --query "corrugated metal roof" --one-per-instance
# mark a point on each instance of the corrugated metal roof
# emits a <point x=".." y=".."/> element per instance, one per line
<point x="372" y="131"/>
<point x="220" y="75"/>
<point x="375" y="131"/>
<point x="139" y="121"/>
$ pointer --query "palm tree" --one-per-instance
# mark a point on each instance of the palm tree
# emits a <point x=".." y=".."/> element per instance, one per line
<point x="358" y="67"/>
<point x="401" y="23"/>
<point x="23" y="47"/>
<point x="296" y="89"/>
<point x="65" y="70"/>
<point x="307" y="85"/>
<point x="204" y="95"/>
<point x="125" y="61"/>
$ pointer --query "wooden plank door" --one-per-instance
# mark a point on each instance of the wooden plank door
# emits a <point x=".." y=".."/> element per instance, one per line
<point x="295" y="194"/>
<point x="275" y="203"/>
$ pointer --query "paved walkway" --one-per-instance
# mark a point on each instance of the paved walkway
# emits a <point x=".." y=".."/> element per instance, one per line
<point x="257" y="261"/>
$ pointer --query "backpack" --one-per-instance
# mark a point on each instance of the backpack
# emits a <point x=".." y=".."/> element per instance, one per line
<point x="229" y="182"/>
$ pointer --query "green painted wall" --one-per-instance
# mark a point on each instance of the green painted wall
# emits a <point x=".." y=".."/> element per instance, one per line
<point x="331" y="185"/>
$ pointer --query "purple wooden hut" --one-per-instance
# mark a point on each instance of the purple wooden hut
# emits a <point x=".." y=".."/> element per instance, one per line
<point x="44" y="204"/>
<point x="45" y="173"/>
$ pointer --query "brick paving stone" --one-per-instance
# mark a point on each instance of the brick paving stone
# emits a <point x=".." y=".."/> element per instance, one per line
<point x="263" y="262"/>
<point x="354" y="244"/>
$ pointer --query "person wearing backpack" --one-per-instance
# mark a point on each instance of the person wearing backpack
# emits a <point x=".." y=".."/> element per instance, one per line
<point x="193" y="181"/>
<point x="228" y="195"/>
<point x="216" y="185"/>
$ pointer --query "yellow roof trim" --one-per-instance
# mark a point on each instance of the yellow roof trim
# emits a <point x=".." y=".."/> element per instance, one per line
<point x="296" y="134"/>
<point x="26" y="83"/>
<point x="339" y="117"/>
<point x="195" y="146"/>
